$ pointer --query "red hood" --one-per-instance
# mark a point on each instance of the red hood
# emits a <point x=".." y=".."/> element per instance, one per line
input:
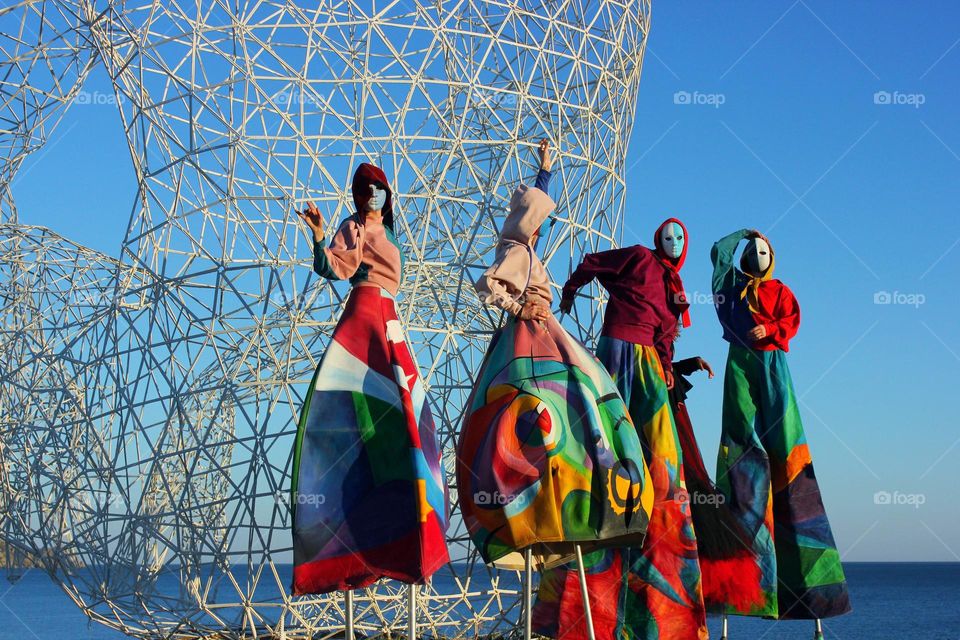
<point x="675" y="263"/>
<point x="364" y="175"/>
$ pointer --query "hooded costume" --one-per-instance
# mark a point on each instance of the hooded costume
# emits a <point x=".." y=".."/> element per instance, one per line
<point x="651" y="591"/>
<point x="764" y="466"/>
<point x="547" y="456"/>
<point x="369" y="495"/>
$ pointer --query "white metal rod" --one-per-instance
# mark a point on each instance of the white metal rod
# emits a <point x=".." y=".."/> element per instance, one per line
<point x="349" y="616"/>
<point x="528" y="594"/>
<point x="723" y="629"/>
<point x="583" y="592"/>
<point x="818" y="631"/>
<point x="412" y="612"/>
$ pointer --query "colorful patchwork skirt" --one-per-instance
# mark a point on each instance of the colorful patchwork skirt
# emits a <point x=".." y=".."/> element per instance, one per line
<point x="548" y="456"/>
<point x="765" y="471"/>
<point x="369" y="496"/>
<point x="651" y="591"/>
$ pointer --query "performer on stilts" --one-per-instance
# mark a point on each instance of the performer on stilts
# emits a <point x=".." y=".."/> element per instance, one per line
<point x="548" y="461"/>
<point x="764" y="466"/>
<point x="653" y="591"/>
<point x="369" y="496"/>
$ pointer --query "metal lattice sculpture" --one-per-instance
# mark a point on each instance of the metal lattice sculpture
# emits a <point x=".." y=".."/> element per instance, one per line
<point x="150" y="400"/>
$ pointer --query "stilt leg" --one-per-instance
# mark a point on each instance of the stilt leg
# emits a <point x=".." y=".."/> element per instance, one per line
<point x="583" y="592"/>
<point x="818" y="631"/>
<point x="723" y="628"/>
<point x="527" y="594"/>
<point x="349" y="616"/>
<point x="412" y="612"/>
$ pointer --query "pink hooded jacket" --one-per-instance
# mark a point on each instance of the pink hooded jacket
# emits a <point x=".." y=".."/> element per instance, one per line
<point x="517" y="275"/>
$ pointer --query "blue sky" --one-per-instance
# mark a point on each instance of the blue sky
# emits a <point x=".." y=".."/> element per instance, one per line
<point x="829" y="126"/>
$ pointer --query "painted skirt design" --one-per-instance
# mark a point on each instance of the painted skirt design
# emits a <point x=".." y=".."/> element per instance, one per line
<point x="548" y="455"/>
<point x="765" y="470"/>
<point x="369" y="496"/>
<point x="651" y="591"/>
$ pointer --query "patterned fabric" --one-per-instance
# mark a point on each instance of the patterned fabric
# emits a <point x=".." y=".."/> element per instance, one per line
<point x="765" y="470"/>
<point x="655" y="588"/>
<point x="548" y="455"/>
<point x="369" y="496"/>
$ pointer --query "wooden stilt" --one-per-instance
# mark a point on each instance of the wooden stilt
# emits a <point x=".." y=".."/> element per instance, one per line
<point x="583" y="592"/>
<point x="818" y="631"/>
<point x="527" y="593"/>
<point x="412" y="612"/>
<point x="348" y="632"/>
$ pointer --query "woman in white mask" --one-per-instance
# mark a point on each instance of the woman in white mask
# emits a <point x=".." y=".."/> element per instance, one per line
<point x="764" y="467"/>
<point x="366" y="441"/>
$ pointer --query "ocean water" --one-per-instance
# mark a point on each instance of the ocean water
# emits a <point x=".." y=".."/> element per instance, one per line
<point x="902" y="601"/>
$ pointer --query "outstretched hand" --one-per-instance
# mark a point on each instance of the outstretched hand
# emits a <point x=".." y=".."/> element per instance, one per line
<point x="705" y="366"/>
<point x="546" y="162"/>
<point x="311" y="216"/>
<point x="566" y="306"/>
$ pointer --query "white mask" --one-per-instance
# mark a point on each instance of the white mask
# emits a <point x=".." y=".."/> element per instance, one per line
<point x="671" y="239"/>
<point x="378" y="197"/>
<point x="757" y="256"/>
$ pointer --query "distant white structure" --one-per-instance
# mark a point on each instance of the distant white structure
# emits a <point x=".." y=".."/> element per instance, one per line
<point x="149" y="399"/>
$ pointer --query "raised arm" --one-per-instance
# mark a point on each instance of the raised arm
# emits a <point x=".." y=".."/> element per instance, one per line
<point x="596" y="265"/>
<point x="546" y="164"/>
<point x="342" y="258"/>
<point x="724" y="273"/>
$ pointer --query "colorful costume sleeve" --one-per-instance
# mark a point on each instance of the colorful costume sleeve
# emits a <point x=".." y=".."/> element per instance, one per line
<point x="787" y="321"/>
<point x="503" y="283"/>
<point x="341" y="259"/>
<point x="543" y="180"/>
<point x="724" y="273"/>
<point x="605" y="264"/>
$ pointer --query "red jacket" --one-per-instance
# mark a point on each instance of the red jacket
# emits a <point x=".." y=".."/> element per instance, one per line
<point x="637" y="283"/>
<point x="777" y="309"/>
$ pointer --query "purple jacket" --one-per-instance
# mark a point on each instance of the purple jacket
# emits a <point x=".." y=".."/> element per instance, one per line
<point x="637" y="311"/>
